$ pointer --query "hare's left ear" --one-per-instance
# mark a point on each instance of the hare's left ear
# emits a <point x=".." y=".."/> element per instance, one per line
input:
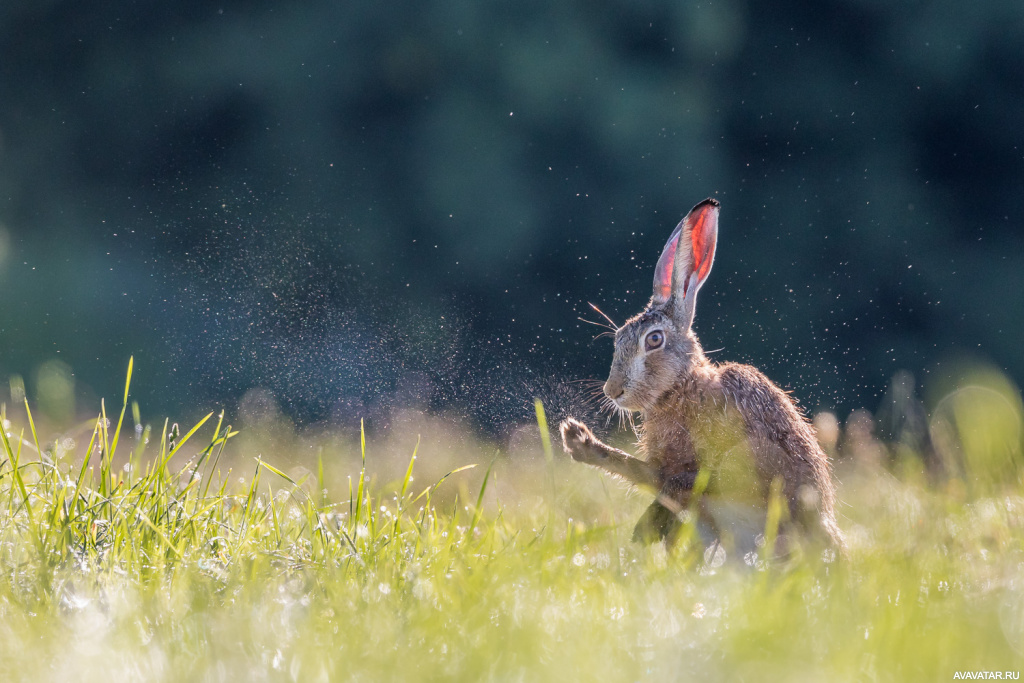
<point x="686" y="262"/>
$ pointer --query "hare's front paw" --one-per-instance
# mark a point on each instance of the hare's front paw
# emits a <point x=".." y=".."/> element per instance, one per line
<point x="577" y="439"/>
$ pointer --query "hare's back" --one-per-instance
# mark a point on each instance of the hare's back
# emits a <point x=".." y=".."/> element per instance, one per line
<point x="785" y="445"/>
<point x="770" y="414"/>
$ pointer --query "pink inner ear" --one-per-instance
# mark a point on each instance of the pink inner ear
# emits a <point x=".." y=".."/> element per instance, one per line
<point x="665" y="266"/>
<point x="663" y="271"/>
<point x="703" y="235"/>
<point x="700" y="230"/>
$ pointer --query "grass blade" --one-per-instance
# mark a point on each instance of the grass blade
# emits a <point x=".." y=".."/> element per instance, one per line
<point x="184" y="439"/>
<point x="124" y="408"/>
<point x="478" y="511"/>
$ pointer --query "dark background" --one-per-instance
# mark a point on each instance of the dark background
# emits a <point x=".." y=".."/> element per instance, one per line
<point x="365" y="206"/>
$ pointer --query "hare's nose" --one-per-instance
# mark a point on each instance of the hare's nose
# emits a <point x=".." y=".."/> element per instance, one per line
<point x="613" y="388"/>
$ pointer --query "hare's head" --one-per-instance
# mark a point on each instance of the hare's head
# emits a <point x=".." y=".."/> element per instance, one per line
<point x="655" y="349"/>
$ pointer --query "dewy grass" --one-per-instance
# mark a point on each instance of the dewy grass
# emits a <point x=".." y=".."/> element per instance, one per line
<point x="173" y="571"/>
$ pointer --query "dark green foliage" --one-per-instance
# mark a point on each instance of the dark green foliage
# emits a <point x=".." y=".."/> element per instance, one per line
<point x="254" y="187"/>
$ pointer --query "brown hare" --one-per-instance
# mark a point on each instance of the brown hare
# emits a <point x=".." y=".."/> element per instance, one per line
<point x="727" y="418"/>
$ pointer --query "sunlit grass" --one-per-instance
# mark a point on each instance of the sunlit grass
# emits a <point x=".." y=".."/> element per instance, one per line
<point x="172" y="568"/>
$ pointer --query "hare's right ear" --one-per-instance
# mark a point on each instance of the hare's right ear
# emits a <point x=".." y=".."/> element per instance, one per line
<point x="686" y="262"/>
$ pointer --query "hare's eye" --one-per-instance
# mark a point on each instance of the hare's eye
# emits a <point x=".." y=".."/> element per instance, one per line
<point x="654" y="340"/>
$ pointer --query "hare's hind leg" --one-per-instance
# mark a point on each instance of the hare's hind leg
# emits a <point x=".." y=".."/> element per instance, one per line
<point x="656" y="524"/>
<point x="660" y="520"/>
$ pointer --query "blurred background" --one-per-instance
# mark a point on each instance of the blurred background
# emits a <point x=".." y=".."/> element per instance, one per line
<point x="330" y="211"/>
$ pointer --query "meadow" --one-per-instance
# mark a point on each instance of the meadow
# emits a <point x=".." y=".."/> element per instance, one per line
<point x="152" y="552"/>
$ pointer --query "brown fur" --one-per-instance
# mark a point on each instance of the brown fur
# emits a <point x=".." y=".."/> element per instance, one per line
<point x="728" y="418"/>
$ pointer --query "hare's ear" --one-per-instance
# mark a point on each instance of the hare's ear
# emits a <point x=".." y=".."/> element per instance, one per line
<point x="686" y="261"/>
<point x="663" y="271"/>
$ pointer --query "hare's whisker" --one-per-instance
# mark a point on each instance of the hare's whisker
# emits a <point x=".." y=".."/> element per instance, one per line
<point x="591" y="322"/>
<point x="604" y="315"/>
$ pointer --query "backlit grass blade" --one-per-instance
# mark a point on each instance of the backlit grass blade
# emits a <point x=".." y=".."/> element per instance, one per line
<point x="545" y="440"/>
<point x="184" y="439"/>
<point x="478" y="511"/>
<point x="32" y="428"/>
<point x="321" y="484"/>
<point x="124" y="408"/>
<point x="248" y="509"/>
<point x="85" y="462"/>
<point x="6" y="443"/>
<point x="688" y="533"/>
<point x="545" y="436"/>
<point x="431" y="489"/>
<point x="105" y="452"/>
<point x="396" y="529"/>
<point x="13" y="458"/>
<point x="208" y="472"/>
<point x="205" y="454"/>
<point x="362" y="478"/>
<point x="408" y="472"/>
<point x="776" y="509"/>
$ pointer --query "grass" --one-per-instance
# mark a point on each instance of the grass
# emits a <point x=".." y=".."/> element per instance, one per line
<point x="166" y="566"/>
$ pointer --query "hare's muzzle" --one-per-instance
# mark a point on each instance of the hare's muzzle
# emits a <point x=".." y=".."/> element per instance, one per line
<point x="614" y="388"/>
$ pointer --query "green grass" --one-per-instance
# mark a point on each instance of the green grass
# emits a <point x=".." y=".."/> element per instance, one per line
<point x="173" y="568"/>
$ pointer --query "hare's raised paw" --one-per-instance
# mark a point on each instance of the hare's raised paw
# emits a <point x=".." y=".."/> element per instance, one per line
<point x="578" y="440"/>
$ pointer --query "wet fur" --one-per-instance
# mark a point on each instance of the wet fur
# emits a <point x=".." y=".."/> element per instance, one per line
<point x="728" y="418"/>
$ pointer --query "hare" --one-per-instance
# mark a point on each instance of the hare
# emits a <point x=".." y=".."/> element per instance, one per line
<point x="726" y="418"/>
